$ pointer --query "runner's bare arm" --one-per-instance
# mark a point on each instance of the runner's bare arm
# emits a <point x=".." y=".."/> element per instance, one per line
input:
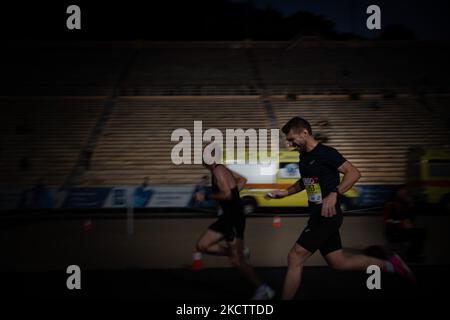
<point x="296" y="187"/>
<point x="351" y="176"/>
<point x="240" y="180"/>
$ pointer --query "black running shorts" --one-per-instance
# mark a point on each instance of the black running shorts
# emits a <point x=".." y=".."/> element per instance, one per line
<point x="230" y="226"/>
<point x="322" y="233"/>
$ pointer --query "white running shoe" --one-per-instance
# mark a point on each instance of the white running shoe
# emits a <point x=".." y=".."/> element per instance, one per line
<point x="263" y="292"/>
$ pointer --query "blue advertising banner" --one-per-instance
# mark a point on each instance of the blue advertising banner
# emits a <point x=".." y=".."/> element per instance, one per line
<point x="88" y="198"/>
<point x="144" y="196"/>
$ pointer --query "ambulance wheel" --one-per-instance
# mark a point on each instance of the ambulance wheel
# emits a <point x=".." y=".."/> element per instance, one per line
<point x="249" y="205"/>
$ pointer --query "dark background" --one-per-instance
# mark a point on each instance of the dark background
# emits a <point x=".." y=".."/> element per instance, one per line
<point x="225" y="20"/>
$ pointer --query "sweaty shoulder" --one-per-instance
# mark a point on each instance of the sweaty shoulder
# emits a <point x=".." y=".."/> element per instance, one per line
<point x="222" y="173"/>
<point x="220" y="170"/>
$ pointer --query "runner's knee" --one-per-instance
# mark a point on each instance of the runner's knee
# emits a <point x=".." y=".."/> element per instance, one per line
<point x="297" y="257"/>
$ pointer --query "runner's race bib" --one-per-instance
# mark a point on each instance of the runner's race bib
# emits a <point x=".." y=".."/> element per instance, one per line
<point x="312" y="187"/>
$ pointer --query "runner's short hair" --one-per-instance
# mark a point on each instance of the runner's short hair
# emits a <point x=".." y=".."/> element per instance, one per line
<point x="297" y="124"/>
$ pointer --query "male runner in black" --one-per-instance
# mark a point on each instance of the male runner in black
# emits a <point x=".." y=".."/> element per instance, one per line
<point x="319" y="168"/>
<point x="229" y="226"/>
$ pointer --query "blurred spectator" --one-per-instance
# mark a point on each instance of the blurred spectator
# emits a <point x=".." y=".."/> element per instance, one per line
<point x="323" y="123"/>
<point x="399" y="214"/>
<point x="38" y="197"/>
<point x="142" y="194"/>
<point x="322" y="134"/>
<point x="203" y="187"/>
<point x="321" y="137"/>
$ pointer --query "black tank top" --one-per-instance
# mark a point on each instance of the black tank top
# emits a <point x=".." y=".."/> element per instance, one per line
<point x="230" y="206"/>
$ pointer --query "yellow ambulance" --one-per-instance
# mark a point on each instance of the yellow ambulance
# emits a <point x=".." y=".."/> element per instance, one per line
<point x="428" y="175"/>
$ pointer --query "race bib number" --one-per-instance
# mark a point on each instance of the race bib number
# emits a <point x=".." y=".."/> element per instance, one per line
<point x="312" y="187"/>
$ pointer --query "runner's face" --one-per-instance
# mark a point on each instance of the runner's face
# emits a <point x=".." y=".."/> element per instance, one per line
<point x="297" y="140"/>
